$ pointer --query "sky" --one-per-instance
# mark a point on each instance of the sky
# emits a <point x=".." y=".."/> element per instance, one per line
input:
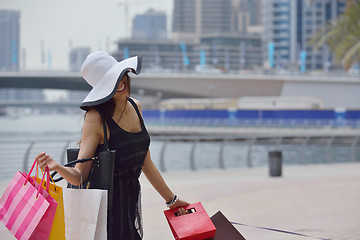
<point x="59" y="24"/>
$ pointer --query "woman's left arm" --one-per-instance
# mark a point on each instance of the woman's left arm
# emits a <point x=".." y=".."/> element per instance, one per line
<point x="153" y="175"/>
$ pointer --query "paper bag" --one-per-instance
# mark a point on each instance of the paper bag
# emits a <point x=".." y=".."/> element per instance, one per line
<point x="224" y="229"/>
<point x="195" y="225"/>
<point x="85" y="214"/>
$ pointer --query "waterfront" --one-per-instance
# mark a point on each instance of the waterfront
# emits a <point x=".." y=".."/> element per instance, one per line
<point x="31" y="134"/>
<point x="310" y="199"/>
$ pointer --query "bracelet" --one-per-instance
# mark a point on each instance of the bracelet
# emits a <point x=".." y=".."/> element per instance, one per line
<point x="173" y="201"/>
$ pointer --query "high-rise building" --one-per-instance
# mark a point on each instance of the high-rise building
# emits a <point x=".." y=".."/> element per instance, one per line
<point x="288" y="25"/>
<point x="226" y="51"/>
<point x="254" y="9"/>
<point x="150" y="26"/>
<point x="191" y="18"/>
<point x="246" y="14"/>
<point x="156" y="54"/>
<point x="186" y="20"/>
<point x="9" y="40"/>
<point x="216" y="16"/>
<point x="77" y="57"/>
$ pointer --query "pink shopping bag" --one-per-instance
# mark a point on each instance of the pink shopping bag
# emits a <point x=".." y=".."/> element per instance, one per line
<point x="26" y="209"/>
<point x="43" y="229"/>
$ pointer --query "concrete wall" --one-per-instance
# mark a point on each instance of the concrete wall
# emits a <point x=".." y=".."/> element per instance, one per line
<point x="334" y="95"/>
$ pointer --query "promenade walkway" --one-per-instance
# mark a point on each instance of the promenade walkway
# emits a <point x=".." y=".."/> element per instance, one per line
<point x="317" y="200"/>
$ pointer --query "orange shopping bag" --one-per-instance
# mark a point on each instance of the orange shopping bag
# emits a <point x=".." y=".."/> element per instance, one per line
<point x="58" y="227"/>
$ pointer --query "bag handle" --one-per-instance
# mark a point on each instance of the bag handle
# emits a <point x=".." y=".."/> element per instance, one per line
<point x="32" y="168"/>
<point x="42" y="179"/>
<point x="36" y="174"/>
<point x="52" y="180"/>
<point x="28" y="175"/>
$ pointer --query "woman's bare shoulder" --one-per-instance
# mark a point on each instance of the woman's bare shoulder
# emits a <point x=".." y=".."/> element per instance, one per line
<point x="93" y="116"/>
<point x="93" y="120"/>
<point x="92" y="123"/>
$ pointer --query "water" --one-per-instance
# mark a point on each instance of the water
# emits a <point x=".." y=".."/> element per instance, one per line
<point x="54" y="133"/>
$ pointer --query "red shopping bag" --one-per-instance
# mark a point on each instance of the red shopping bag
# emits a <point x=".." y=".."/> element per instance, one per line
<point x="196" y="225"/>
<point x="26" y="209"/>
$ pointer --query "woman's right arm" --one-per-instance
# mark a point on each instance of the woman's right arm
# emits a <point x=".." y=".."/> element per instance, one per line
<point x="92" y="134"/>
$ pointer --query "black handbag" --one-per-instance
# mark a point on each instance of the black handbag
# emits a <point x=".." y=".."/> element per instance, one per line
<point x="101" y="175"/>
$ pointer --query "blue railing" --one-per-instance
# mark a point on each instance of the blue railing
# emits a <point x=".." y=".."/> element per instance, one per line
<point x="267" y="118"/>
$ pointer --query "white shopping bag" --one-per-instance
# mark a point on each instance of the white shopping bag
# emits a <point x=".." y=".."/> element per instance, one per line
<point x="85" y="213"/>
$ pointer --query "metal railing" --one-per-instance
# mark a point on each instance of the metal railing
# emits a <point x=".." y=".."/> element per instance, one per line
<point x="18" y="155"/>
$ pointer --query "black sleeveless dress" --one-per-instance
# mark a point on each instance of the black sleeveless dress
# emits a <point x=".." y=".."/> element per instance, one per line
<point x="131" y="149"/>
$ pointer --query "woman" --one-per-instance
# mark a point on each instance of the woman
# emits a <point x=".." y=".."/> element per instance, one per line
<point x="127" y="135"/>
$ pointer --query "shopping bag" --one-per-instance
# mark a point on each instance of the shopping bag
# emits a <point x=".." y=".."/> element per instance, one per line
<point x="58" y="227"/>
<point x="196" y="225"/>
<point x="85" y="214"/>
<point x="44" y="228"/>
<point x="26" y="209"/>
<point x="224" y="229"/>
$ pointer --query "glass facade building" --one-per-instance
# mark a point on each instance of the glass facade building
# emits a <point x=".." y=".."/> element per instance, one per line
<point x="150" y="25"/>
<point x="290" y="24"/>
<point x="9" y="40"/>
<point x="191" y="18"/>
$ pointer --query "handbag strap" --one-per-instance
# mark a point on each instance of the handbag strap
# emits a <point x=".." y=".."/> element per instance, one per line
<point x="81" y="160"/>
<point x="106" y="141"/>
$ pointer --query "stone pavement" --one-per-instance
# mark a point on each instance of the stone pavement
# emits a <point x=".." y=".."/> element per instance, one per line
<point x="317" y="200"/>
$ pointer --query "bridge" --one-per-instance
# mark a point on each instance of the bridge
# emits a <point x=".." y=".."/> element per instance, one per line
<point x="335" y="91"/>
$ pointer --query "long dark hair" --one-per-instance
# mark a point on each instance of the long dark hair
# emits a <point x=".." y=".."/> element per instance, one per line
<point x="107" y="108"/>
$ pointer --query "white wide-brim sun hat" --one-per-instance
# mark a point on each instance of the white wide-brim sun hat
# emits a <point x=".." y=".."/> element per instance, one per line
<point x="104" y="73"/>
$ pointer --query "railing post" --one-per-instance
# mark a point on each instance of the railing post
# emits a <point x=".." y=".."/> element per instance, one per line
<point x="28" y="150"/>
<point x="303" y="150"/>
<point x="328" y="149"/>
<point x="278" y="143"/>
<point x="192" y="156"/>
<point x="162" y="153"/>
<point x="353" y="148"/>
<point x="248" y="156"/>
<point x="221" y="154"/>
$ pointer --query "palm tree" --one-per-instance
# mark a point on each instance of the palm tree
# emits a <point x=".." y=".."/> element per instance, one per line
<point x="342" y="36"/>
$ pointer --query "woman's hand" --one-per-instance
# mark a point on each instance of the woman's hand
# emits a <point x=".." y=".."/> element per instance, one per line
<point x="45" y="160"/>
<point x="180" y="204"/>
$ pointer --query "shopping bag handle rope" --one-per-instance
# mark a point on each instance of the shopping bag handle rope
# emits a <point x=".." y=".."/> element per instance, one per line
<point x="278" y="230"/>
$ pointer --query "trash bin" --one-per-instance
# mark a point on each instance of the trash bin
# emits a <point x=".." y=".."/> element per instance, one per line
<point x="275" y="163"/>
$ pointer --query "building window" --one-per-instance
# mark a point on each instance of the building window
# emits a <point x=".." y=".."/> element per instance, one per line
<point x="278" y="22"/>
<point x="277" y="5"/>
